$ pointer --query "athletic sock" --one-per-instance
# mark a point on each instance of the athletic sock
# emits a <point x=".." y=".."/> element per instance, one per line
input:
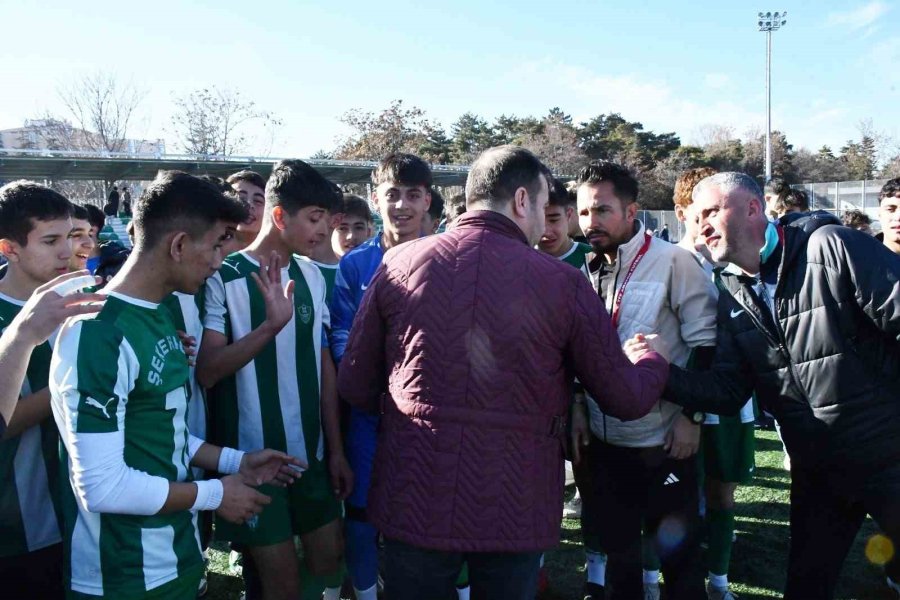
<point x="462" y="593"/>
<point x="361" y="553"/>
<point x="721" y="530"/>
<point x="718" y="582"/>
<point x="596" y="567"/>
<point x="651" y="577"/>
<point x="331" y="594"/>
<point x="369" y="594"/>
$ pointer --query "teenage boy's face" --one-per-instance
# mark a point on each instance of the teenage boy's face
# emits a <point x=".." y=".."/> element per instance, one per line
<point x="82" y="244"/>
<point x="401" y="207"/>
<point x="556" y="229"/>
<point x="350" y="233"/>
<point x="47" y="253"/>
<point x="255" y="198"/>
<point x="202" y="257"/>
<point x="889" y="215"/>
<point x="306" y="229"/>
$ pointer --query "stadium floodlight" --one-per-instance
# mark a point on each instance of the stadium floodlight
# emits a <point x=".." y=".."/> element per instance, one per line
<point x="768" y="23"/>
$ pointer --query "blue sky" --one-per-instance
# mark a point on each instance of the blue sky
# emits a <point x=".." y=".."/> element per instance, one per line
<point x="671" y="67"/>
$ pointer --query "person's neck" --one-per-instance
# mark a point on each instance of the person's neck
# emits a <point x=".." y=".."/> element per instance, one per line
<point x="564" y="248"/>
<point x="266" y="242"/>
<point x="893" y="246"/>
<point x="18" y="285"/>
<point x="325" y="254"/>
<point x="245" y="238"/>
<point x="390" y="239"/>
<point x="143" y="276"/>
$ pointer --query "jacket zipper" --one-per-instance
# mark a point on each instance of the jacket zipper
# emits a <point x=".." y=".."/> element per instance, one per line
<point x="782" y="342"/>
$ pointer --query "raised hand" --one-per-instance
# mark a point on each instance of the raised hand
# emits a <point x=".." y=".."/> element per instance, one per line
<point x="279" y="300"/>
<point x="240" y="501"/>
<point x="271" y="466"/>
<point x="189" y="345"/>
<point x="51" y="304"/>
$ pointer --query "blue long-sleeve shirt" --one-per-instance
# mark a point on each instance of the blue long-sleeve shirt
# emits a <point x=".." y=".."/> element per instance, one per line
<point x="355" y="271"/>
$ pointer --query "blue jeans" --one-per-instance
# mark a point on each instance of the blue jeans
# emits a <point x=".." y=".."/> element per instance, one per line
<point x="413" y="573"/>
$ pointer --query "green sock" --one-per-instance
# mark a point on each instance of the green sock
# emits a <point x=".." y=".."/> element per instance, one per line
<point x="312" y="586"/>
<point x="463" y="580"/>
<point x="649" y="558"/>
<point x="721" y="529"/>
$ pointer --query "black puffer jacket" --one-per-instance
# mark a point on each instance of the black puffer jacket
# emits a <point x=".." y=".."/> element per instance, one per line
<point x="828" y="367"/>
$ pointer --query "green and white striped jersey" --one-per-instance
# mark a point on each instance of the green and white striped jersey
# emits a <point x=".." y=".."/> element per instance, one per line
<point x="119" y="393"/>
<point x="329" y="272"/>
<point x="29" y="465"/>
<point x="577" y="256"/>
<point x="273" y="401"/>
<point x="187" y="315"/>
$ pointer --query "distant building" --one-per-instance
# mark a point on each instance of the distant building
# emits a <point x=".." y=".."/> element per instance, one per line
<point x="53" y="134"/>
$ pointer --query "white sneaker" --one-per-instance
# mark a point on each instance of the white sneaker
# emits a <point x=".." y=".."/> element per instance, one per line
<point x="572" y="508"/>
<point x="718" y="594"/>
<point x="651" y="591"/>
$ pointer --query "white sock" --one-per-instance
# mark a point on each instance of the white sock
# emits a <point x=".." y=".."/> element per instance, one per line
<point x="462" y="593"/>
<point x="651" y="577"/>
<point x="331" y="594"/>
<point x="596" y="567"/>
<point x="719" y="582"/>
<point x="369" y="594"/>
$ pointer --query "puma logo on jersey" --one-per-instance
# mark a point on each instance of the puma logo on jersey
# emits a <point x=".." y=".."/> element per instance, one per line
<point x="91" y="402"/>
<point x="735" y="313"/>
<point x="305" y="313"/>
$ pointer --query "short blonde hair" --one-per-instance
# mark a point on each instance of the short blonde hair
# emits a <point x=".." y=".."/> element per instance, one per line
<point x="686" y="182"/>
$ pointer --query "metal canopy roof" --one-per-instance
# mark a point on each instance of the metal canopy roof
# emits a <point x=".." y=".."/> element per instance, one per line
<point x="61" y="165"/>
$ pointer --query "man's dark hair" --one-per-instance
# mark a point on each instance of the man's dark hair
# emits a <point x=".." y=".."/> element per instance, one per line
<point x="890" y="189"/>
<point x="249" y="176"/>
<point x="23" y="202"/>
<point x="436" y="209"/>
<point x="95" y="216"/>
<point x="790" y="200"/>
<point x="294" y="185"/>
<point x="454" y="206"/>
<point x="559" y="195"/>
<point x="79" y="212"/>
<point x="217" y="181"/>
<point x="499" y="172"/>
<point x="776" y="187"/>
<point x="176" y="201"/>
<point x="856" y="219"/>
<point x="355" y="206"/>
<point x="625" y="186"/>
<point x="405" y="169"/>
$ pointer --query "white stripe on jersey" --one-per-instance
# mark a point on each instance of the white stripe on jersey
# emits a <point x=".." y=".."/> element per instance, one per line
<point x="197" y="406"/>
<point x="158" y="545"/>
<point x="87" y="574"/>
<point x="249" y="417"/>
<point x="288" y="386"/>
<point x="38" y="514"/>
<point x="176" y="399"/>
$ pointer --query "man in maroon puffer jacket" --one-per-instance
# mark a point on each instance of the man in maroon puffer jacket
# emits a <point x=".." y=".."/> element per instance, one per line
<point x="467" y="343"/>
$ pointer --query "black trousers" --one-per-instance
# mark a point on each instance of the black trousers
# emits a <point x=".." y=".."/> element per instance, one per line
<point x="633" y="489"/>
<point x="37" y="574"/>
<point x="827" y="509"/>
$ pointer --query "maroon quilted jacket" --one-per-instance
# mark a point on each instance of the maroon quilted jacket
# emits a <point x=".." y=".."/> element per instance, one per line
<point x="467" y="343"/>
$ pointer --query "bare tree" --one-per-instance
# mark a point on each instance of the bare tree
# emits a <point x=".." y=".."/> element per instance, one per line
<point x="103" y="108"/>
<point x="394" y="129"/>
<point x="214" y="122"/>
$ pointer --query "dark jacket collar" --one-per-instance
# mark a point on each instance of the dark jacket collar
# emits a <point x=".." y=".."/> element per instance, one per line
<point x="493" y="221"/>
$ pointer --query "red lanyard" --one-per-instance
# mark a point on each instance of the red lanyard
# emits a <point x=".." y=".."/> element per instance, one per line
<point x="634" y="263"/>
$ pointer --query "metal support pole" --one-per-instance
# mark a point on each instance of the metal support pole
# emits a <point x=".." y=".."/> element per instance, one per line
<point x="768" y="106"/>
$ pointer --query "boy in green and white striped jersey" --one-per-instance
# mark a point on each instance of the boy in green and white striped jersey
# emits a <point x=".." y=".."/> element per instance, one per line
<point x="120" y="400"/>
<point x="34" y="237"/>
<point x="556" y="241"/>
<point x="265" y="349"/>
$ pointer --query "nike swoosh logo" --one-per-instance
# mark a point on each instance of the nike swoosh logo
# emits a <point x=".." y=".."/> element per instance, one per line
<point x="735" y="313"/>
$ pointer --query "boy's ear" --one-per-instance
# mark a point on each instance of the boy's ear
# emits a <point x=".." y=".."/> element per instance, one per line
<point x="9" y="249"/>
<point x="278" y="215"/>
<point x="176" y="246"/>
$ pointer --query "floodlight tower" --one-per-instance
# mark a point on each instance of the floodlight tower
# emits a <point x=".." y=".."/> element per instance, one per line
<point x="770" y="22"/>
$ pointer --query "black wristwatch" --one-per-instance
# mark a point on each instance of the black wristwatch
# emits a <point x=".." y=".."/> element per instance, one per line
<point x="696" y="417"/>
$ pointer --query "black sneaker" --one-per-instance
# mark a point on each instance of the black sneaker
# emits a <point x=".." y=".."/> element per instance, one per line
<point x="592" y="591"/>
